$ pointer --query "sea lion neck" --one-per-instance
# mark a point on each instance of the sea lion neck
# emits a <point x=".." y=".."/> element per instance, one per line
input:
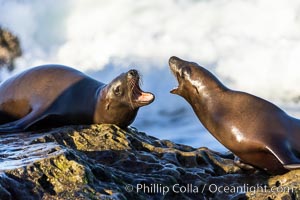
<point x="203" y="84"/>
<point x="98" y="98"/>
<point x="205" y="94"/>
<point x="207" y="102"/>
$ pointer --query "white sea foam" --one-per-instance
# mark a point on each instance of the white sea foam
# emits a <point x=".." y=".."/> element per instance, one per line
<point x="252" y="46"/>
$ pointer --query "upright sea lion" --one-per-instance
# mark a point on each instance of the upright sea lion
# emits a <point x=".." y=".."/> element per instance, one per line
<point x="255" y="130"/>
<point x="55" y="95"/>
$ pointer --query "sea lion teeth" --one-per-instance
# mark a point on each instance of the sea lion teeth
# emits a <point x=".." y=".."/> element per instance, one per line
<point x="173" y="91"/>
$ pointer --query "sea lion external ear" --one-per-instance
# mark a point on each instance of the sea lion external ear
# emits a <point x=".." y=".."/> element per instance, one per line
<point x="107" y="106"/>
<point x="197" y="90"/>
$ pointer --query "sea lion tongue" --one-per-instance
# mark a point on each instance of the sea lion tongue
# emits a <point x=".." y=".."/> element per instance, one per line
<point x="142" y="97"/>
<point x="145" y="97"/>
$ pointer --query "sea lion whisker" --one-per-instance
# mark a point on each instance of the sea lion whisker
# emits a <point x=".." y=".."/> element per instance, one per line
<point x="131" y="86"/>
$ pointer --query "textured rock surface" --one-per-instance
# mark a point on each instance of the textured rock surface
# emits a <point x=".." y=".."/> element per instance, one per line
<point x="105" y="162"/>
<point x="9" y="49"/>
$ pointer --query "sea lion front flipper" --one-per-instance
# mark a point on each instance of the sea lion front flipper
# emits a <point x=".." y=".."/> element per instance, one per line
<point x="286" y="157"/>
<point x="241" y="164"/>
<point x="244" y="166"/>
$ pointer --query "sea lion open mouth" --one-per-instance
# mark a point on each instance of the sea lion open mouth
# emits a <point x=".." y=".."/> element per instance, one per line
<point x="136" y="95"/>
<point x="176" y="72"/>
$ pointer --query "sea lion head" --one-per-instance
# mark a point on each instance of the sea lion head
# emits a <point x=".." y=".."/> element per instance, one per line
<point x="193" y="80"/>
<point x="185" y="73"/>
<point x="121" y="99"/>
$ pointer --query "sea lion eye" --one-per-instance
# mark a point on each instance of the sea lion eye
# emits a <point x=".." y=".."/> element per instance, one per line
<point x="117" y="90"/>
<point x="186" y="71"/>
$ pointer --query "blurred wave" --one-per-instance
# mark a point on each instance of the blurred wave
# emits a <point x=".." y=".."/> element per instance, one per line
<point x="252" y="46"/>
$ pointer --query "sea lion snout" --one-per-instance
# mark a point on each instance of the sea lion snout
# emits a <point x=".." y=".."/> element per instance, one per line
<point x="137" y="97"/>
<point x="179" y="67"/>
<point x="174" y="64"/>
<point x="173" y="60"/>
<point x="133" y="73"/>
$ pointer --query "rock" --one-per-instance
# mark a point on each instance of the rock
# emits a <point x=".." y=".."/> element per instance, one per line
<point x="9" y="49"/>
<point x="105" y="162"/>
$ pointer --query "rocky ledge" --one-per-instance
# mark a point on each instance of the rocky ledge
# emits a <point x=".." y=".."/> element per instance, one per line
<point x="105" y="162"/>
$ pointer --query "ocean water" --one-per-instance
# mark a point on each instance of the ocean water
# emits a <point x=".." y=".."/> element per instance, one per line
<point x="253" y="46"/>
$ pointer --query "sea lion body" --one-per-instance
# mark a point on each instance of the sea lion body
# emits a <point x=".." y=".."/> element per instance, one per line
<point x="54" y="95"/>
<point x="255" y="130"/>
